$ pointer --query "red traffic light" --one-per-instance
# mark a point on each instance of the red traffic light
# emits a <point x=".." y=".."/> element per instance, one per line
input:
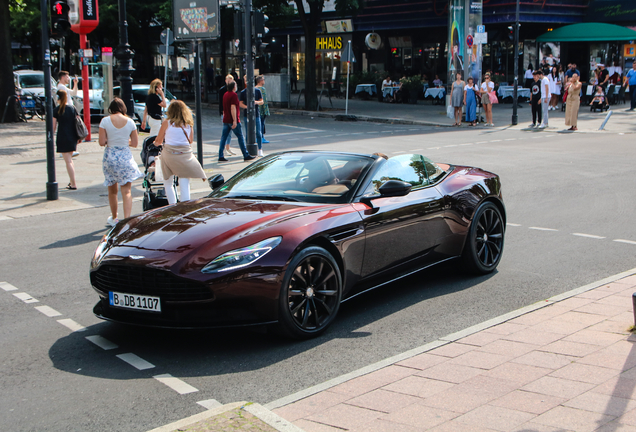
<point x="58" y="9"/>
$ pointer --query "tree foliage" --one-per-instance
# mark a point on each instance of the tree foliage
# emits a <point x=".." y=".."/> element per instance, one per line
<point x="310" y="21"/>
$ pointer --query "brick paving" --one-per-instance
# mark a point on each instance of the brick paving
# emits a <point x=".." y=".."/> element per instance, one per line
<point x="569" y="366"/>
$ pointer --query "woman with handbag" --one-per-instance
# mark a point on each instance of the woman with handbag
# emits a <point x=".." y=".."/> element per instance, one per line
<point x="66" y="139"/>
<point x="488" y="97"/>
<point x="117" y="133"/>
<point x="176" y="157"/>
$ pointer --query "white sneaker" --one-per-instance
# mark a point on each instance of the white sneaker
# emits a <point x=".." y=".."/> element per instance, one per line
<point x="112" y="222"/>
<point x="260" y="153"/>
<point x="75" y="153"/>
<point x="230" y="152"/>
<point x="542" y="126"/>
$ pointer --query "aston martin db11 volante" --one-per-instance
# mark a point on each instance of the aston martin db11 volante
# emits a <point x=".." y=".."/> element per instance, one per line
<point x="290" y="237"/>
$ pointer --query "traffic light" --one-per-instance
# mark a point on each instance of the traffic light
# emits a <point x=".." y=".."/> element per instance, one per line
<point x="239" y="30"/>
<point x="259" y="30"/>
<point x="59" y="18"/>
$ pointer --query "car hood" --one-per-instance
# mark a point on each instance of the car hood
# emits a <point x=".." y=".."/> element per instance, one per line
<point x="195" y="232"/>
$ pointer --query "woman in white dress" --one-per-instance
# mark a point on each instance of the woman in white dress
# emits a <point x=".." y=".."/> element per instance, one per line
<point x="555" y="88"/>
<point x="487" y="87"/>
<point x="117" y="133"/>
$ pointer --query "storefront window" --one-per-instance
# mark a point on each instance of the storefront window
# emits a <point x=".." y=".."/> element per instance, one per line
<point x="298" y="62"/>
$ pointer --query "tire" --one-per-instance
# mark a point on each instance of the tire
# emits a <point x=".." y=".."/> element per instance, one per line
<point x="310" y="294"/>
<point x="485" y="240"/>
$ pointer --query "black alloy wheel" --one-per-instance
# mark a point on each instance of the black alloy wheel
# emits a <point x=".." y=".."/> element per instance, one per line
<point x="310" y="294"/>
<point x="485" y="241"/>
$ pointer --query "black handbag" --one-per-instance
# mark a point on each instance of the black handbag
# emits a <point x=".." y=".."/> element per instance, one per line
<point x="80" y="127"/>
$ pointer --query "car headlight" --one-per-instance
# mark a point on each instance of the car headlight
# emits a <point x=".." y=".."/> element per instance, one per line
<point x="238" y="258"/>
<point x="101" y="248"/>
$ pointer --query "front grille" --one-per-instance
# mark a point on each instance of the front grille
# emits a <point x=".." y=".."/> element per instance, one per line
<point x="148" y="281"/>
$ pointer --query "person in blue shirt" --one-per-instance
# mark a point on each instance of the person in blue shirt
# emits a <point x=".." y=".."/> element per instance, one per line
<point x="630" y="79"/>
<point x="258" y="101"/>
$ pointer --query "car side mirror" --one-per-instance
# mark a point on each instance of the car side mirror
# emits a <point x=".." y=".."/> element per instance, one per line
<point x="394" y="188"/>
<point x="216" y="181"/>
<point x="390" y="188"/>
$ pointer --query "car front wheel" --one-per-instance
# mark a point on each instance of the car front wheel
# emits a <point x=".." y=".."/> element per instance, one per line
<point x="485" y="241"/>
<point x="310" y="294"/>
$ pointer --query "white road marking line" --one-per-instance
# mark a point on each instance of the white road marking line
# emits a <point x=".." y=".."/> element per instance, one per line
<point x="5" y="218"/>
<point x="451" y="145"/>
<point x="25" y="297"/>
<point x="481" y="142"/>
<point x="548" y="136"/>
<point x="413" y="129"/>
<point x="414" y="150"/>
<point x="537" y="137"/>
<point x="542" y="229"/>
<point x="326" y="136"/>
<point x="210" y="403"/>
<point x="175" y="384"/>
<point x="294" y="133"/>
<point x="135" y="361"/>
<point x="512" y="224"/>
<point x="588" y="236"/>
<point x="467" y="144"/>
<point x="71" y="325"/>
<point x="495" y="140"/>
<point x="625" y="241"/>
<point x="356" y="133"/>
<point x="7" y="286"/>
<point x="397" y="152"/>
<point x="48" y="311"/>
<point x="102" y="342"/>
<point x="293" y="139"/>
<point x="386" y="131"/>
<point x="433" y="148"/>
<point x="374" y="132"/>
<point x="510" y="139"/>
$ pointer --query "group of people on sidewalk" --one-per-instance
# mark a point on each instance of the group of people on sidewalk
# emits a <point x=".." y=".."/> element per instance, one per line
<point x="230" y="105"/>
<point x="118" y="134"/>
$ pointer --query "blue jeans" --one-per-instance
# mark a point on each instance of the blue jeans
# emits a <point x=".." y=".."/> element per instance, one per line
<point x="238" y="132"/>
<point x="229" y="136"/>
<point x="258" y="131"/>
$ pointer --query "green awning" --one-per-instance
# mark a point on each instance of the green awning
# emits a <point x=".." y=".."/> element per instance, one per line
<point x="588" y="32"/>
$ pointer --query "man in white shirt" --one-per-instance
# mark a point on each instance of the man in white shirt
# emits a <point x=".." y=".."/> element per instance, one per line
<point x="545" y="99"/>
<point x="63" y="81"/>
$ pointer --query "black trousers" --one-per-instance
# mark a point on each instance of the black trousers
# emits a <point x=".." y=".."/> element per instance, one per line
<point x="632" y="90"/>
<point x="536" y="113"/>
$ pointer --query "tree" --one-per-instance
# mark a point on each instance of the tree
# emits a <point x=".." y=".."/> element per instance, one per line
<point x="6" y="67"/>
<point x="310" y="22"/>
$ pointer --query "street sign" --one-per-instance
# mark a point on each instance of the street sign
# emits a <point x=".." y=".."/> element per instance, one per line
<point x="196" y="19"/>
<point x="481" y="29"/>
<point x="469" y="40"/>
<point x="163" y="35"/>
<point x="88" y="52"/>
<point x="481" y="38"/>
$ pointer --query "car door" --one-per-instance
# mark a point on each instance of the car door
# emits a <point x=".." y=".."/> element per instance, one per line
<point x="402" y="231"/>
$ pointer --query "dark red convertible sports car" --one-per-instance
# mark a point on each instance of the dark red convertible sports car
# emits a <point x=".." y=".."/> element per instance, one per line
<point x="290" y="237"/>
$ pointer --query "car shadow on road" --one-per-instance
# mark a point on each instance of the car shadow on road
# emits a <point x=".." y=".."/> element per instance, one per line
<point x="234" y="350"/>
<point x="77" y="240"/>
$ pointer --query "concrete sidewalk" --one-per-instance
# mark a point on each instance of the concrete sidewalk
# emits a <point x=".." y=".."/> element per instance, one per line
<point x="565" y="364"/>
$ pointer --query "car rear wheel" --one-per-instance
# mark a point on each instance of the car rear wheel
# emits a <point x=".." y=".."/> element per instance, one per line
<point x="310" y="295"/>
<point x="485" y="241"/>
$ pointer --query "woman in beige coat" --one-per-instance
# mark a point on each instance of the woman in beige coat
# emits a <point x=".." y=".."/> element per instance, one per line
<point x="176" y="156"/>
<point x="573" y="102"/>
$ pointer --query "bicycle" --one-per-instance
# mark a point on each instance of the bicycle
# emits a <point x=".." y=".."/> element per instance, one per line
<point x="18" y="111"/>
<point x="33" y="106"/>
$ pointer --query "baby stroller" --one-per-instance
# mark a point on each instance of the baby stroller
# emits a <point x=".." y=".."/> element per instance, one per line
<point x="596" y="105"/>
<point x="155" y="193"/>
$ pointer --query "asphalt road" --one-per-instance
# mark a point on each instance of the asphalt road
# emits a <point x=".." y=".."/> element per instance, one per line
<point x="568" y="197"/>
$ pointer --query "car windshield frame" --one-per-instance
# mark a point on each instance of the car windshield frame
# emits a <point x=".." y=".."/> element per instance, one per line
<point x="431" y="174"/>
<point x="299" y="175"/>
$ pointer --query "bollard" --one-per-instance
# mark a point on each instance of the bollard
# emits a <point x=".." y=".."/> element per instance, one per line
<point x="609" y="114"/>
<point x="634" y="307"/>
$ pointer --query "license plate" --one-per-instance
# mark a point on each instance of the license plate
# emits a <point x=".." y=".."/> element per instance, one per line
<point x="134" y="301"/>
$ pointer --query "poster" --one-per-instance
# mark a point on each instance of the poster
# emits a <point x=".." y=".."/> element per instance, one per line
<point x="456" y="38"/>
<point x="473" y="54"/>
<point x="196" y="19"/>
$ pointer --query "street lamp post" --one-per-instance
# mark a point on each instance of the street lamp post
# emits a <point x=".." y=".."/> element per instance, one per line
<point x="515" y="97"/>
<point x="124" y="55"/>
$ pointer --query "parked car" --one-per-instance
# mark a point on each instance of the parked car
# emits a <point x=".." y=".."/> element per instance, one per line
<point x="139" y="93"/>
<point x="31" y="82"/>
<point x="95" y="90"/>
<point x="291" y="236"/>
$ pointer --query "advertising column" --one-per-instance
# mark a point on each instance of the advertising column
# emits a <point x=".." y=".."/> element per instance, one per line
<point x="473" y="54"/>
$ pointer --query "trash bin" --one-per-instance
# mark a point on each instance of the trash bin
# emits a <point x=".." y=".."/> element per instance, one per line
<point x="277" y="86"/>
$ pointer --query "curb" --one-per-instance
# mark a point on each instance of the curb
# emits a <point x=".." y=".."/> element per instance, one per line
<point x="444" y="341"/>
<point x="257" y="410"/>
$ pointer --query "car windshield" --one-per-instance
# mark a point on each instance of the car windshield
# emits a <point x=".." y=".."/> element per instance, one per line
<point x="32" y="80"/>
<point x="415" y="169"/>
<point x="306" y="177"/>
